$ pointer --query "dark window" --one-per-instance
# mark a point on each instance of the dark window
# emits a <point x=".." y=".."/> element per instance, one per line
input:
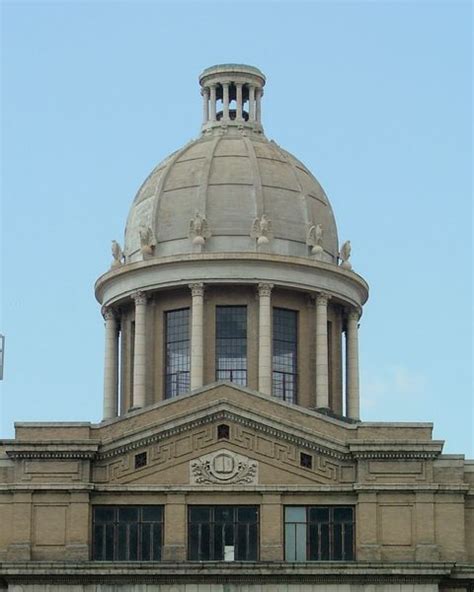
<point x="140" y="460"/>
<point x="223" y="432"/>
<point x="319" y="533"/>
<point x="127" y="533"/>
<point x="285" y="369"/>
<point x="223" y="533"/>
<point x="306" y="460"/>
<point x="231" y="344"/>
<point x="177" y="352"/>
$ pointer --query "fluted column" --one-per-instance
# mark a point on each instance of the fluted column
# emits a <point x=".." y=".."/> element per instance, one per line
<point x="205" y="104"/>
<point x="225" y="100"/>
<point x="252" y="103"/>
<point x="352" y="366"/>
<point x="239" y="112"/>
<point x="265" y="338"/>
<point x="139" y="359"/>
<point x="110" y="364"/>
<point x="322" y="370"/>
<point x="212" y="105"/>
<point x="197" y="335"/>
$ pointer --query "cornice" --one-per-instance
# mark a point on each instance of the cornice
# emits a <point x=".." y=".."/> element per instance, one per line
<point x="52" y="450"/>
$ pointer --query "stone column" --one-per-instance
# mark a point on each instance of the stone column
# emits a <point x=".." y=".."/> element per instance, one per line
<point x="239" y="113"/>
<point x="352" y="366"/>
<point x="197" y="335"/>
<point x="225" y="100"/>
<point x="139" y="359"/>
<point x="213" y="103"/>
<point x="258" y="103"/>
<point x="252" y="103"/>
<point x="265" y="338"/>
<point x="110" y="364"/>
<point x="205" y="104"/>
<point x="322" y="369"/>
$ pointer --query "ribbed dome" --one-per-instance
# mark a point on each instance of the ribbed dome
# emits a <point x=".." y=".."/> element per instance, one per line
<point x="220" y="193"/>
<point x="231" y="180"/>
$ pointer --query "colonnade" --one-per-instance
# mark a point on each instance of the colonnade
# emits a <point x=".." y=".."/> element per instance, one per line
<point x="321" y="394"/>
<point x="243" y="92"/>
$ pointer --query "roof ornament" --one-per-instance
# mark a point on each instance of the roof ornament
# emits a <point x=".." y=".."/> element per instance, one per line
<point x="199" y="229"/>
<point x="344" y="255"/>
<point x="117" y="254"/>
<point x="262" y="230"/>
<point x="314" y="239"/>
<point x="147" y="240"/>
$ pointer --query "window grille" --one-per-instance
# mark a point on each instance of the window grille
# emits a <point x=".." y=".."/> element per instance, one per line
<point x="127" y="533"/>
<point x="231" y="344"/>
<point x="178" y="362"/>
<point x="223" y="533"/>
<point x="319" y="533"/>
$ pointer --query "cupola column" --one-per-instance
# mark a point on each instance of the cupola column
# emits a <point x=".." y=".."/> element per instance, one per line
<point x="139" y="359"/>
<point x="322" y="374"/>
<point x="197" y="335"/>
<point x="251" y="102"/>
<point x="205" y="104"/>
<point x="258" y="104"/>
<point x="265" y="339"/>
<point x="225" y="100"/>
<point x="352" y="365"/>
<point x="110" y="364"/>
<point x="213" y="103"/>
<point x="239" y="113"/>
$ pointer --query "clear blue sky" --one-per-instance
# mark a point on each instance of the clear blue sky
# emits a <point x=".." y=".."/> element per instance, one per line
<point x="374" y="97"/>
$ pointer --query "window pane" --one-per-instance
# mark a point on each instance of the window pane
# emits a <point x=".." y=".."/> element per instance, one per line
<point x="128" y="514"/>
<point x="205" y="551"/>
<point x="156" y="541"/>
<point x="224" y="514"/>
<point x="194" y="542"/>
<point x="295" y="514"/>
<point x="314" y="542"/>
<point x="231" y="344"/>
<point x="104" y="514"/>
<point x="284" y="364"/>
<point x="109" y="543"/>
<point x="133" y="538"/>
<point x="290" y="542"/>
<point x="123" y="543"/>
<point x="319" y="514"/>
<point x="324" y="528"/>
<point x="247" y="514"/>
<point x="99" y="541"/>
<point x="348" y="542"/>
<point x="145" y="541"/>
<point x="199" y="514"/>
<point x="152" y="513"/>
<point x="337" y="542"/>
<point x="342" y="514"/>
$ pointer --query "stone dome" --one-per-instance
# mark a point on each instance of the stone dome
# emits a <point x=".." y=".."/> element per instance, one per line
<point x="230" y="177"/>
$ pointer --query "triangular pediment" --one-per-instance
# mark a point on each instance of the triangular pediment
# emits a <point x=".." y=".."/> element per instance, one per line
<point x="271" y="436"/>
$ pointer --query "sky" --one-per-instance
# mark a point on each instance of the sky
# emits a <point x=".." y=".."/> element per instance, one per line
<point x="374" y="97"/>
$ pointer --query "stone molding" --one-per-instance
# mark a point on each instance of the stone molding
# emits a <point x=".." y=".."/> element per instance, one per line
<point x="49" y="451"/>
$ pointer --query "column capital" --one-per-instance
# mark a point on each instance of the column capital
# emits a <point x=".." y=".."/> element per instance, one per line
<point x="322" y="298"/>
<point x="108" y="313"/>
<point x="265" y="289"/>
<point x="204" y="90"/>
<point x="353" y="314"/>
<point x="197" y="289"/>
<point x="139" y="297"/>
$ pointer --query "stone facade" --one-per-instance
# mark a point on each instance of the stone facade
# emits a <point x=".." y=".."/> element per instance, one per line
<point x="221" y="444"/>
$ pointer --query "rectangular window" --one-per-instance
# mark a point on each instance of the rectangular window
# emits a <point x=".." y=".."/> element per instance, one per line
<point x="223" y="533"/>
<point x="231" y="344"/>
<point x="285" y="363"/>
<point x="127" y="533"/>
<point x="178" y="362"/>
<point x="319" y="533"/>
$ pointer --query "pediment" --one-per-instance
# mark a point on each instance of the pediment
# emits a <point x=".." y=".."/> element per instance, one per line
<point x="272" y="443"/>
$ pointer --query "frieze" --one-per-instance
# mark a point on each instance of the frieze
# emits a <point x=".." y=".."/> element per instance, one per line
<point x="223" y="467"/>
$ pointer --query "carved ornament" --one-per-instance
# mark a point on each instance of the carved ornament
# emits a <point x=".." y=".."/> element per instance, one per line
<point x="224" y="467"/>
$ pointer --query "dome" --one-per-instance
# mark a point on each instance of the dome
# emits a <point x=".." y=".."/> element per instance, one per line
<point x="226" y="181"/>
